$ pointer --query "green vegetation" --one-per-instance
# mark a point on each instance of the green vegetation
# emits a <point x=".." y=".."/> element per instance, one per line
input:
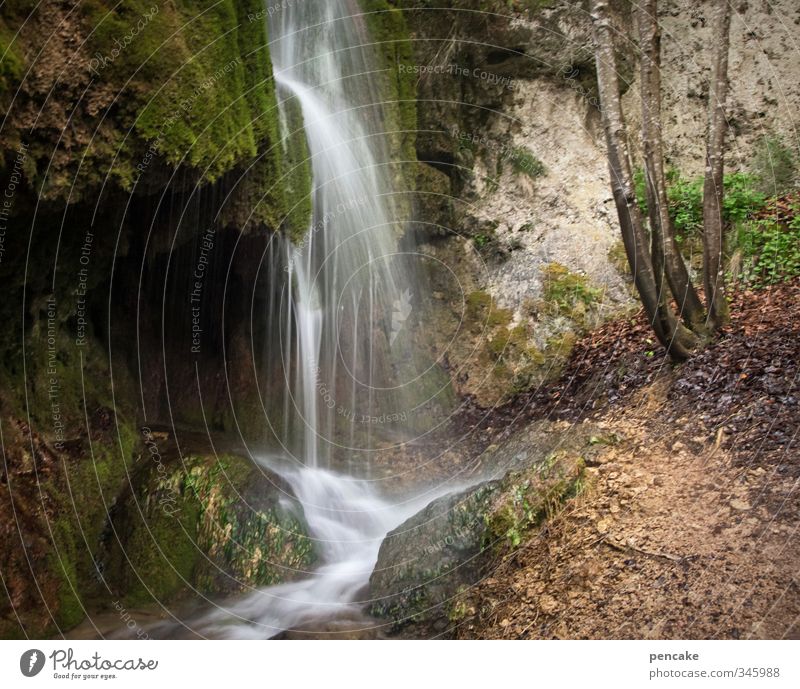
<point x="11" y="63"/>
<point x="513" y="360"/>
<point x="525" y="163"/>
<point x="178" y="84"/>
<point x="485" y="239"/>
<point x="484" y="313"/>
<point x="769" y="247"/>
<point x="83" y="497"/>
<point x="568" y="294"/>
<point x="203" y="524"/>
<point x="559" y="349"/>
<point x="763" y="239"/>
<point x="457" y="608"/>
<point x="390" y="38"/>
<point x="685" y="198"/>
<point x="209" y="98"/>
<point x="532" y="498"/>
<point x="481" y="241"/>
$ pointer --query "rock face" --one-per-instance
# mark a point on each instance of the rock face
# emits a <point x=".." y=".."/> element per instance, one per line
<point x="508" y="112"/>
<point x="424" y="563"/>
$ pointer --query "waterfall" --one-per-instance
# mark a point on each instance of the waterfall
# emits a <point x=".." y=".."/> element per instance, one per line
<point x="341" y="353"/>
<point x="348" y="522"/>
<point x="342" y="321"/>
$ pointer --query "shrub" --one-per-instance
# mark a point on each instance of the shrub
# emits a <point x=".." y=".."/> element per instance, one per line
<point x="685" y="197"/>
<point x="774" y="167"/>
<point x="770" y="249"/>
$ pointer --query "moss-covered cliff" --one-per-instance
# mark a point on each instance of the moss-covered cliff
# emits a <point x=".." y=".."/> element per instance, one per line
<point x="203" y="524"/>
<point x="124" y="93"/>
<point x="141" y="146"/>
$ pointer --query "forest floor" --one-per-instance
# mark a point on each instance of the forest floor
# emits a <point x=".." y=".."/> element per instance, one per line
<point x="689" y="527"/>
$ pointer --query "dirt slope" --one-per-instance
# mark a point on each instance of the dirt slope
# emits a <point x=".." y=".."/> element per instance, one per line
<point x="690" y="526"/>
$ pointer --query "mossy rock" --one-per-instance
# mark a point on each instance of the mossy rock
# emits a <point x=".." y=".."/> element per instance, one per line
<point x="155" y="87"/>
<point x="451" y="544"/>
<point x="392" y="46"/>
<point x="212" y="525"/>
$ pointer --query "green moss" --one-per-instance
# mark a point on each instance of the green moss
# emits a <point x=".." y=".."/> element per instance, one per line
<point x="566" y="293"/>
<point x="204" y="527"/>
<point x="82" y="495"/>
<point x="11" y="62"/>
<point x="296" y="181"/>
<point x="481" y="241"/>
<point x="183" y="83"/>
<point x="458" y="609"/>
<point x="525" y="163"/>
<point x="768" y="247"/>
<point x="482" y="312"/>
<point x="61" y="563"/>
<point x="559" y="347"/>
<point x="531" y="498"/>
<point x="200" y="94"/>
<point x="163" y="554"/>
<point x="518" y="336"/>
<point x="389" y="33"/>
<point x="477" y="301"/>
<point x="512" y="361"/>
<point x="425" y="574"/>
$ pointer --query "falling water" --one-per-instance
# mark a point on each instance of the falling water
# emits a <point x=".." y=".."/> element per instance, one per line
<point x="342" y="309"/>
<point x="347" y="277"/>
<point x="348" y="522"/>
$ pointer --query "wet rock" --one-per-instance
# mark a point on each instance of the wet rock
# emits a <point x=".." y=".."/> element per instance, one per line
<point x="429" y="560"/>
<point x="217" y="525"/>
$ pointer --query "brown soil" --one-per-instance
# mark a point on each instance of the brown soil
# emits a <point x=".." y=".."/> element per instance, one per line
<point x="689" y="526"/>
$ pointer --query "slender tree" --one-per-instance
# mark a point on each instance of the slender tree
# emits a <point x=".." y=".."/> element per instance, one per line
<point x="677" y="340"/>
<point x="713" y="240"/>
<point x="667" y="258"/>
<point x="660" y="273"/>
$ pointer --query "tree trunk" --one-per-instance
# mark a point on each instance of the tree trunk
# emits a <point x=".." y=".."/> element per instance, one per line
<point x="676" y="339"/>
<point x="713" y="239"/>
<point x="666" y="255"/>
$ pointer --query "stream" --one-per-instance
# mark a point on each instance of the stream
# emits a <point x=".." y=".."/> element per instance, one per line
<point x="341" y="341"/>
<point x="348" y="521"/>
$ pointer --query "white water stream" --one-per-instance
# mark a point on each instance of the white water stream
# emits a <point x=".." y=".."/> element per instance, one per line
<point x="340" y="325"/>
<point x="348" y="522"/>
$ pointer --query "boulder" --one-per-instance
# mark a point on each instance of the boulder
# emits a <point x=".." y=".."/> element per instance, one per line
<point x="215" y="525"/>
<point x="451" y="544"/>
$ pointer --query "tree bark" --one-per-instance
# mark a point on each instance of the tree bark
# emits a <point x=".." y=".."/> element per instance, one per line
<point x="676" y="339"/>
<point x="713" y="226"/>
<point x="666" y="255"/>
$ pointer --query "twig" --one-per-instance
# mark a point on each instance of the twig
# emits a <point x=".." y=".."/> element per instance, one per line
<point x="649" y="553"/>
<point x="533" y="622"/>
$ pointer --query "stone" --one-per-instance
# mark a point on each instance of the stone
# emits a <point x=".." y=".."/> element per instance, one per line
<point x="447" y="547"/>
